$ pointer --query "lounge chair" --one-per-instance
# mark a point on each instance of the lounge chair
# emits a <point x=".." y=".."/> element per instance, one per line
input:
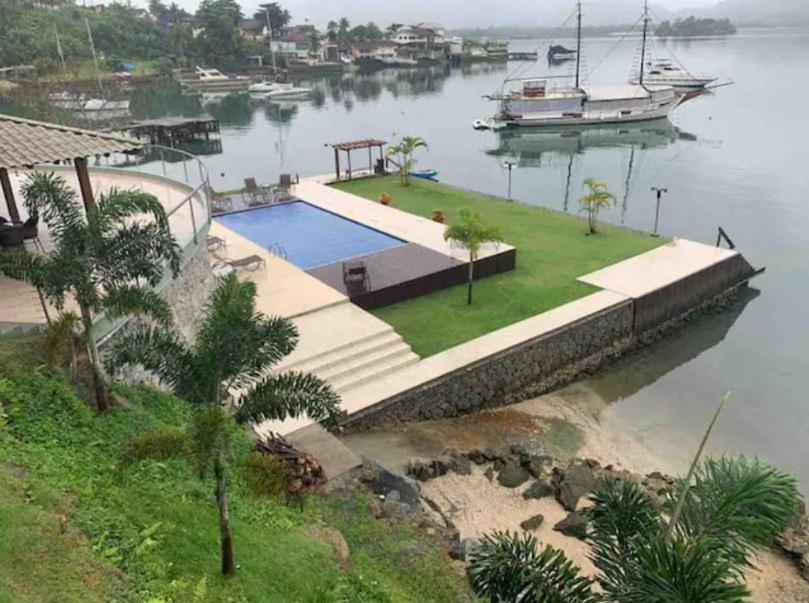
<point x="259" y="195"/>
<point x="215" y="244"/>
<point x="355" y="277"/>
<point x="219" y="203"/>
<point x="251" y="263"/>
<point x="283" y="192"/>
<point x="30" y="232"/>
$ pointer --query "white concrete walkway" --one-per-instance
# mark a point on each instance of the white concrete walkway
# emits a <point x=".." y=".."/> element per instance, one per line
<point x="401" y="224"/>
<point x="657" y="268"/>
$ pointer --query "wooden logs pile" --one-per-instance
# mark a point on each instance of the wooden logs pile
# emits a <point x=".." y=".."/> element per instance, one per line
<point x="304" y="471"/>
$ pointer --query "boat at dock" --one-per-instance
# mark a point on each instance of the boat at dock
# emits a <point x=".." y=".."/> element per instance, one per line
<point x="213" y="80"/>
<point x="279" y="91"/>
<point x="553" y="101"/>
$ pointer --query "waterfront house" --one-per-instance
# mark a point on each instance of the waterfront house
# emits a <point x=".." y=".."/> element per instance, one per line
<point x="253" y="29"/>
<point x="424" y="41"/>
<point x="381" y="50"/>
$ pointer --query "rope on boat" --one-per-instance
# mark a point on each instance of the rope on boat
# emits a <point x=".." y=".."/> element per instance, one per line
<point x="523" y="66"/>
<point x="618" y="43"/>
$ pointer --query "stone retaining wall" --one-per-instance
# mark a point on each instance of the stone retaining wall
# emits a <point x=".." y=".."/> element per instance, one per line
<point x="509" y="376"/>
<point x="534" y="367"/>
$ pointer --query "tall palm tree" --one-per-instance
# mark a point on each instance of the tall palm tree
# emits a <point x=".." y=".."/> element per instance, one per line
<point x="733" y="506"/>
<point x="594" y="201"/>
<point x="228" y="365"/>
<point x="471" y="232"/>
<point x="404" y="153"/>
<point x="108" y="261"/>
<point x="343" y="26"/>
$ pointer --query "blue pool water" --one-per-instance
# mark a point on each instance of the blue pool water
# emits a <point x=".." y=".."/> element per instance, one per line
<point x="309" y="235"/>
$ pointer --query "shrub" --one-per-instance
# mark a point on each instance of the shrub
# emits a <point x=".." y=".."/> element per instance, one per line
<point x="158" y="446"/>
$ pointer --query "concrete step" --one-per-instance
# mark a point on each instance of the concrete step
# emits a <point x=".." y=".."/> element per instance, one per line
<point x="325" y="362"/>
<point x="359" y="362"/>
<point x="301" y="361"/>
<point x="374" y="371"/>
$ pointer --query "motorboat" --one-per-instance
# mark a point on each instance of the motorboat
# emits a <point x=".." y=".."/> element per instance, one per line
<point x="666" y="72"/>
<point x="425" y="174"/>
<point x="558" y="53"/>
<point x="398" y="61"/>
<point x="214" y="80"/>
<point x="279" y="91"/>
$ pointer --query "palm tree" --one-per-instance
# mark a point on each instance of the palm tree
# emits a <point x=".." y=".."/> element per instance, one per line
<point x="593" y="202"/>
<point x="471" y="232"/>
<point x="228" y="364"/>
<point x="108" y="261"/>
<point x="331" y="31"/>
<point x="314" y="42"/>
<point x="733" y="506"/>
<point x="404" y="152"/>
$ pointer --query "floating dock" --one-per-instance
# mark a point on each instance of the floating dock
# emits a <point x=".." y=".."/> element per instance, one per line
<point x="174" y="131"/>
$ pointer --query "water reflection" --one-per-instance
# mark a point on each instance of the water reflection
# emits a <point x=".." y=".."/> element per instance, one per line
<point x="638" y="370"/>
<point x="542" y="147"/>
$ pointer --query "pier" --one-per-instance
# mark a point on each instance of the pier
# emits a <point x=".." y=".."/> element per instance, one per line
<point x="523" y="56"/>
<point x="173" y="131"/>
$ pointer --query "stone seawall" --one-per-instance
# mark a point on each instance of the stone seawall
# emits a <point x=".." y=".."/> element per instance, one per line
<point x="536" y="366"/>
<point x="509" y="376"/>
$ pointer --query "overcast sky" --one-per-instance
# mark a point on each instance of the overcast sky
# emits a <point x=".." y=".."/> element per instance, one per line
<point x="460" y="13"/>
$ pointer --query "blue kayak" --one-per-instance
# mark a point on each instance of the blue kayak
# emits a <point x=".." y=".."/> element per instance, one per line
<point x="425" y="174"/>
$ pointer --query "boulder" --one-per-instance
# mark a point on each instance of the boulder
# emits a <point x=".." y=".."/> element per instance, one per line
<point x="339" y="547"/>
<point x="532" y="523"/>
<point x="390" y="481"/>
<point x="459" y="464"/>
<point x="539" y="489"/>
<point x="489" y="473"/>
<point x="576" y="481"/>
<point x="491" y="455"/>
<point x="575" y="525"/>
<point x="536" y="464"/>
<point x="512" y="475"/>
<point x="476" y="456"/>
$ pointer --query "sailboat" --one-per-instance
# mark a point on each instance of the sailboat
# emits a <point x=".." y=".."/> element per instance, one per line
<point x="543" y="102"/>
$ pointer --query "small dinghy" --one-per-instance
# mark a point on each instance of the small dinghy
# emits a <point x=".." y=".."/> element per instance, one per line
<point x="425" y="174"/>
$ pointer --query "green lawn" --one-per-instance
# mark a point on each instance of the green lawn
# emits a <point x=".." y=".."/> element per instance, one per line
<point x="552" y="250"/>
<point x="150" y="532"/>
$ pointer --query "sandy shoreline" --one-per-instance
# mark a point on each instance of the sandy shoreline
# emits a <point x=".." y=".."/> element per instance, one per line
<point x="570" y="423"/>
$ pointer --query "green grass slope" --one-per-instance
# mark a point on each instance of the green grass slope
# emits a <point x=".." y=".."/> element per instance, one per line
<point x="150" y="532"/>
<point x="552" y="251"/>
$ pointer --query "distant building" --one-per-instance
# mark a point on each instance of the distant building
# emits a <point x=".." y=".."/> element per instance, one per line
<point x="253" y="28"/>
<point x="383" y="49"/>
<point x="424" y="41"/>
<point x="295" y="41"/>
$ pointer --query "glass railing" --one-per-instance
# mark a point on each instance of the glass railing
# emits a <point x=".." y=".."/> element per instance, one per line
<point x="179" y="179"/>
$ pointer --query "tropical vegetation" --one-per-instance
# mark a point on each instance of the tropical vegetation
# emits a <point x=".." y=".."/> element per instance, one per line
<point x="81" y="520"/>
<point x="597" y="198"/>
<point x="227" y="365"/>
<point x="471" y="232"/>
<point x="551" y="255"/>
<point x="403" y="154"/>
<point x="104" y="261"/>
<point x="644" y="551"/>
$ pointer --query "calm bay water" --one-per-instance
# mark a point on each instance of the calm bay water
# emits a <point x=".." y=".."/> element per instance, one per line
<point x="737" y="159"/>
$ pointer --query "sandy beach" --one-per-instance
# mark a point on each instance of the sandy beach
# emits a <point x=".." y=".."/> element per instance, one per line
<point x="570" y="423"/>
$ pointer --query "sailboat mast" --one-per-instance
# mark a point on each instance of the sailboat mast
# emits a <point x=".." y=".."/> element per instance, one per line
<point x="578" y="41"/>
<point x="643" y="45"/>
<point x="95" y="58"/>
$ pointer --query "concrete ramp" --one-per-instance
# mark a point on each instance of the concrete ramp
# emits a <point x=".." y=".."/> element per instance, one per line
<point x="334" y="456"/>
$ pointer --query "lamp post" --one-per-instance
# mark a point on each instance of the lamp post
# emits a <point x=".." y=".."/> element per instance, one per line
<point x="509" y="165"/>
<point x="659" y="193"/>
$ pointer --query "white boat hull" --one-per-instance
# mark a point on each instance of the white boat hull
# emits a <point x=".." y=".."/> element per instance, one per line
<point x="594" y="117"/>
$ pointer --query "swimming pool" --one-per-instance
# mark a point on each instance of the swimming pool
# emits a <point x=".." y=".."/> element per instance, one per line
<point x="309" y="236"/>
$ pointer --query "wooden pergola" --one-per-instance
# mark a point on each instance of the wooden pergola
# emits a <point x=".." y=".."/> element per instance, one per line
<point x="25" y="143"/>
<point x="356" y="145"/>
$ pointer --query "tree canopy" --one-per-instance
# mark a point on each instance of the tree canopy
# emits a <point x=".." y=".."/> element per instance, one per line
<point x="692" y="26"/>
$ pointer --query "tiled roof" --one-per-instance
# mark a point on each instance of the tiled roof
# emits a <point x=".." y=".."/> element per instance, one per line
<point x="24" y="142"/>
